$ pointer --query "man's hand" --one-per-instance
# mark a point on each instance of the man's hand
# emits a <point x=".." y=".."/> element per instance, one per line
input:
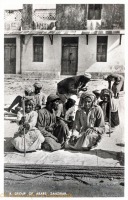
<point x="27" y="126"/>
<point x="84" y="89"/>
<point x="54" y="138"/>
<point x="17" y="109"/>
<point x="92" y="128"/>
<point x="38" y="107"/>
<point x="49" y="129"/>
<point x="22" y="121"/>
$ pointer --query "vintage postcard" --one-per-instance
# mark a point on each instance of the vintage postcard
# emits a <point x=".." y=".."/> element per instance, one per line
<point x="64" y="81"/>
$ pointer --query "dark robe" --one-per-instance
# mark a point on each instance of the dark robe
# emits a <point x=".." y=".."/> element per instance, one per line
<point x="114" y="115"/>
<point x="71" y="84"/>
<point x="60" y="130"/>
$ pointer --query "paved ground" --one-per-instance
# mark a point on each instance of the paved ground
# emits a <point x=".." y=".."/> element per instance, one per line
<point x="104" y="154"/>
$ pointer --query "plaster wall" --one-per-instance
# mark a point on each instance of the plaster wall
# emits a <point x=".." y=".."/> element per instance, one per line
<point x="51" y="55"/>
<point x="86" y="55"/>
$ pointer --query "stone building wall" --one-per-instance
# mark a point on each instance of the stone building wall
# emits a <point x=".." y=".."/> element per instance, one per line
<point x="75" y="17"/>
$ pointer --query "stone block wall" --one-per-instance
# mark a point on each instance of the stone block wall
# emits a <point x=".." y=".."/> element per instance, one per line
<point x="112" y="16"/>
<point x="75" y="17"/>
<point x="71" y="16"/>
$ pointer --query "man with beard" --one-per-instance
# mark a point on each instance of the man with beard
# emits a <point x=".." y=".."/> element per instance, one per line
<point x="33" y="137"/>
<point x="54" y="131"/>
<point x="36" y="94"/>
<point x="89" y="123"/>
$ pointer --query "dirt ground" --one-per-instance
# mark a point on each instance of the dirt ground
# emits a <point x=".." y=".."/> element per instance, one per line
<point x="97" y="188"/>
<point x="63" y="187"/>
<point x="14" y="87"/>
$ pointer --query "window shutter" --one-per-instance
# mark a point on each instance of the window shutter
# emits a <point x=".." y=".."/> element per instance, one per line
<point x="102" y="48"/>
<point x="38" y="49"/>
<point x="94" y="11"/>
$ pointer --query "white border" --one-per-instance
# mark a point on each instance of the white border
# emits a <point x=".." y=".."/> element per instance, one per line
<point x="3" y="5"/>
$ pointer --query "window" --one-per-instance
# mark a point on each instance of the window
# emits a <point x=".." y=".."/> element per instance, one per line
<point x="38" y="49"/>
<point x="102" y="48"/>
<point x="94" y="11"/>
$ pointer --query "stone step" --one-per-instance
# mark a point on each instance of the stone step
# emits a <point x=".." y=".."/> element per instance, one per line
<point x="48" y="76"/>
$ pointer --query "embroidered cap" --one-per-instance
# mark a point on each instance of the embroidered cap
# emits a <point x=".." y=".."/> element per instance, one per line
<point x="88" y="94"/>
<point x="52" y="97"/>
<point x="87" y="75"/>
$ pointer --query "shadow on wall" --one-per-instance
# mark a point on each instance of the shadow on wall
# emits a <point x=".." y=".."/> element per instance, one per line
<point x="115" y="58"/>
<point x="113" y="48"/>
<point x="114" y="42"/>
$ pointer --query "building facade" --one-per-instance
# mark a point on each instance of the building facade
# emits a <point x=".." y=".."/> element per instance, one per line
<point x="67" y="40"/>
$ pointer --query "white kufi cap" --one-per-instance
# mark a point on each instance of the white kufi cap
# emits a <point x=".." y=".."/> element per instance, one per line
<point x="87" y="75"/>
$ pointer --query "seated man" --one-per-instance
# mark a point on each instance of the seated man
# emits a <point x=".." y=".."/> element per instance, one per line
<point x="89" y="123"/>
<point x="72" y="86"/>
<point x="33" y="137"/>
<point x="118" y="84"/>
<point x="38" y="98"/>
<point x="55" y="131"/>
<point x="18" y="100"/>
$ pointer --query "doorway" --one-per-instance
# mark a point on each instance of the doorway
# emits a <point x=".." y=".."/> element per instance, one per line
<point x="69" y="55"/>
<point x="10" y="55"/>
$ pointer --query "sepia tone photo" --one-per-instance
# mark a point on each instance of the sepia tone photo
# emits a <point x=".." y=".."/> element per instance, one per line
<point x="64" y="75"/>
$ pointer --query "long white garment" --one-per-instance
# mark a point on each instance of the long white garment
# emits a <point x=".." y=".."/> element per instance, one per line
<point x="33" y="137"/>
<point x="30" y="118"/>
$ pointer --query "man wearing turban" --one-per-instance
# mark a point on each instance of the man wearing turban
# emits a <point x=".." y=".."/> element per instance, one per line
<point x="18" y="100"/>
<point x="33" y="137"/>
<point x="35" y="93"/>
<point x="89" y="122"/>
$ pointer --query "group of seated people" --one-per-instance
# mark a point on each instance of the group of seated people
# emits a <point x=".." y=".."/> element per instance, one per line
<point x="76" y="123"/>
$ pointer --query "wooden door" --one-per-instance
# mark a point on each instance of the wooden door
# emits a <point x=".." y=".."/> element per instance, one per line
<point x="69" y="57"/>
<point x="10" y="57"/>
